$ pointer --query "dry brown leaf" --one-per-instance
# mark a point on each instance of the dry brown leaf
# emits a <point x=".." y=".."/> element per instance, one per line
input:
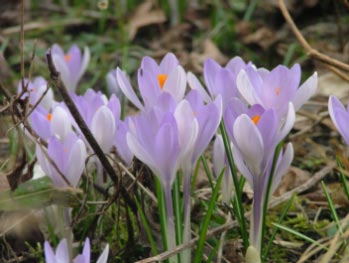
<point x="264" y="37"/>
<point x="143" y="16"/>
<point x="331" y="84"/>
<point x="294" y="177"/>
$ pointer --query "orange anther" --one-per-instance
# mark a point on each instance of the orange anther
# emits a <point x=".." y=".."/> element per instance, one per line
<point x="67" y="57"/>
<point x="256" y="119"/>
<point x="162" y="78"/>
<point x="49" y="116"/>
<point x="277" y="91"/>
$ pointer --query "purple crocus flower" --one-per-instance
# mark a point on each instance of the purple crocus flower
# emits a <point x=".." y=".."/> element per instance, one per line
<point x="71" y="65"/>
<point x="62" y="253"/>
<point x="340" y="116"/>
<point x="45" y="123"/>
<point x="69" y="156"/>
<point x="153" y="138"/>
<point x="255" y="135"/>
<point x="153" y="80"/>
<point x="120" y="142"/>
<point x="36" y="90"/>
<point x="112" y="84"/>
<point x="219" y="80"/>
<point x="101" y="116"/>
<point x="276" y="88"/>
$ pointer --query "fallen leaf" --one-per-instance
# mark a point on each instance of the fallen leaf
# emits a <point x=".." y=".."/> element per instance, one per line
<point x="143" y="16"/>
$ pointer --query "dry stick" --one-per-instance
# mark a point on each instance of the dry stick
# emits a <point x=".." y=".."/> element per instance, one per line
<point x="57" y="81"/>
<point x="303" y="187"/>
<point x="311" y="51"/>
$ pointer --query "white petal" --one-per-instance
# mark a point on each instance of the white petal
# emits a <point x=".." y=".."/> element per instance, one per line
<point x="60" y="123"/>
<point x="176" y="83"/>
<point x="245" y="88"/>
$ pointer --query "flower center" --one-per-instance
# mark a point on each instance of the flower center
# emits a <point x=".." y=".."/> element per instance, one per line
<point x="277" y="91"/>
<point x="49" y="116"/>
<point x="256" y="119"/>
<point x="67" y="57"/>
<point x="162" y="79"/>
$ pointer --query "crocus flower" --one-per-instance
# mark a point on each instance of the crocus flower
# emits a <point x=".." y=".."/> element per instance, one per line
<point x="276" y="88"/>
<point x="255" y="135"/>
<point x="154" y="79"/>
<point x="101" y="116"/>
<point x="120" y="142"/>
<point x="219" y="80"/>
<point x="62" y="253"/>
<point x="71" y="65"/>
<point x="36" y="90"/>
<point x="220" y="162"/>
<point x="46" y="123"/>
<point x="340" y="116"/>
<point x="112" y="84"/>
<point x="69" y="157"/>
<point x="153" y="138"/>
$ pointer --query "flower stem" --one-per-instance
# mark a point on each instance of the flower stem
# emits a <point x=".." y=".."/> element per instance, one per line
<point x="239" y="209"/>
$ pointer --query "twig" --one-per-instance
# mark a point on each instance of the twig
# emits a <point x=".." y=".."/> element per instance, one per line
<point x="311" y="51"/>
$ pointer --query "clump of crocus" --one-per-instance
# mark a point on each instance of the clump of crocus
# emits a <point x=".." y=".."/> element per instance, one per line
<point x="68" y="157"/>
<point x="62" y="253"/>
<point x="255" y="133"/>
<point x="35" y="90"/>
<point x="340" y="117"/>
<point x="153" y="80"/>
<point x="71" y="65"/>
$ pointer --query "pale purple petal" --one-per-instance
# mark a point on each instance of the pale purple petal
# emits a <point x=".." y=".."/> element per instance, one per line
<point x="87" y="250"/>
<point x="218" y="155"/>
<point x="49" y="254"/>
<point x="250" y="143"/>
<point x="168" y="63"/>
<point x="121" y="142"/>
<point x="62" y="252"/>
<point x="63" y="69"/>
<point x="288" y="122"/>
<point x="103" y="128"/>
<point x="210" y="69"/>
<point x="242" y="166"/>
<point x="76" y="162"/>
<point x="85" y="61"/>
<point x="246" y="89"/>
<point x="339" y="116"/>
<point x="176" y="83"/>
<point x="282" y="167"/>
<point x="166" y="147"/>
<point x="195" y="84"/>
<point x="126" y="88"/>
<point x="104" y="256"/>
<point x="60" y="123"/>
<point x="305" y="91"/>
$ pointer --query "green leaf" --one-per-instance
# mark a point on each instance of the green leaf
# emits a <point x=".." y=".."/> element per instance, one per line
<point x="38" y="193"/>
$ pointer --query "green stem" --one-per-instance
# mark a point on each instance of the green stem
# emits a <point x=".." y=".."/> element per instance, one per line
<point x="239" y="209"/>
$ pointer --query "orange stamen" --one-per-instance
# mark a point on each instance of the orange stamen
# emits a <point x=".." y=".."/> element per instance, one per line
<point x="162" y="79"/>
<point x="277" y="91"/>
<point x="256" y="119"/>
<point x="67" y="57"/>
<point x="49" y="116"/>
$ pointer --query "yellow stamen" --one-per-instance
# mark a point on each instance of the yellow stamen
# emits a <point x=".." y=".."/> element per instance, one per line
<point x="256" y="119"/>
<point x="49" y="116"/>
<point x="277" y="91"/>
<point x="162" y="79"/>
<point x="67" y="57"/>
